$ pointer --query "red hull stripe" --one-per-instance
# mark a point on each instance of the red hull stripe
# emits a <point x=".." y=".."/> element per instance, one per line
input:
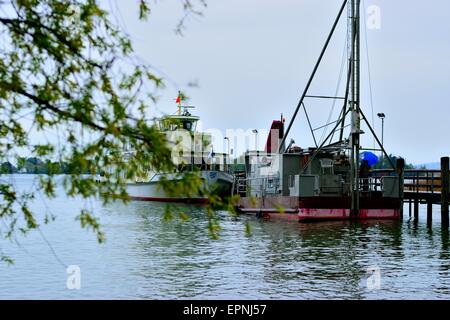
<point x="178" y="200"/>
<point x="252" y="210"/>
<point x="303" y="214"/>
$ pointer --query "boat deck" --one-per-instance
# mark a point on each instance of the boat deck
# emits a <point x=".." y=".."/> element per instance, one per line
<point x="319" y="208"/>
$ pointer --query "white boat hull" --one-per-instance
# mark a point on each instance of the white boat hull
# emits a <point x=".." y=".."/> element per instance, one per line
<point x="222" y="182"/>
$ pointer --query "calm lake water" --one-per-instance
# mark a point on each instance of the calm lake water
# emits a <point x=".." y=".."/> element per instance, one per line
<point x="147" y="258"/>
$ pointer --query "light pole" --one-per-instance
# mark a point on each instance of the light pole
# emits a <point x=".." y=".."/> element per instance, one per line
<point x="228" y="150"/>
<point x="256" y="138"/>
<point x="382" y="116"/>
<point x="228" y="144"/>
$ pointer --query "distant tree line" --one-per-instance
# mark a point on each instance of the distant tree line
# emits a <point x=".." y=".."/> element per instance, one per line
<point x="383" y="163"/>
<point x="34" y="165"/>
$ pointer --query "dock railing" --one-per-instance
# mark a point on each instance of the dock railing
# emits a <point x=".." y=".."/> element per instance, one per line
<point x="424" y="186"/>
<point x="415" y="180"/>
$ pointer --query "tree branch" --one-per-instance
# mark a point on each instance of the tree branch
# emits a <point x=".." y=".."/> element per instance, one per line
<point x="47" y="105"/>
<point x="15" y="23"/>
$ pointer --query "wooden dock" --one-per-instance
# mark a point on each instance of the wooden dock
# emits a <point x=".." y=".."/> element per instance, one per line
<point x="424" y="187"/>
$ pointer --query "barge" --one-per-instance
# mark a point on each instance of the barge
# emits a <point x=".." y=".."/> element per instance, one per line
<point x="333" y="179"/>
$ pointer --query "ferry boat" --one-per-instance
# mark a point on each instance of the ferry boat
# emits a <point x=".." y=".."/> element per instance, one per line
<point x="198" y="158"/>
<point x="331" y="180"/>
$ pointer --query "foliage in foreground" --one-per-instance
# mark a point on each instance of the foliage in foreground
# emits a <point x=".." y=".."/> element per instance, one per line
<point x="68" y="72"/>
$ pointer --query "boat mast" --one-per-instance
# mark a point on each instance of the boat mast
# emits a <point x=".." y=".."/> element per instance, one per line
<point x="354" y="21"/>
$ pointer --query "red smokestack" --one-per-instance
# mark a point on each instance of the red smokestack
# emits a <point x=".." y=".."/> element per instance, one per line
<point x="275" y="135"/>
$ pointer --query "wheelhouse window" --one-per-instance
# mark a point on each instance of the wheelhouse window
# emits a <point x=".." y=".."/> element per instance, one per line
<point x="172" y="124"/>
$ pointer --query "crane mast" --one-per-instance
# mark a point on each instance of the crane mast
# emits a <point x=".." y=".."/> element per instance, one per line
<point x="354" y="103"/>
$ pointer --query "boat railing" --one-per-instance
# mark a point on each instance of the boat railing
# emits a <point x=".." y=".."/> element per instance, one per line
<point x="416" y="180"/>
<point x="258" y="186"/>
<point x="371" y="184"/>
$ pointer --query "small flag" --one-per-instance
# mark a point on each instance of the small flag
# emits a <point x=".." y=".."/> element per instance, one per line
<point x="212" y="154"/>
<point x="178" y="98"/>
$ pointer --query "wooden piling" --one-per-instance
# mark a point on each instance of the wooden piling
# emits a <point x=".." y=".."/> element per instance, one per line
<point x="410" y="208"/>
<point x="416" y="209"/>
<point x="429" y="212"/>
<point x="444" y="191"/>
<point x="400" y="166"/>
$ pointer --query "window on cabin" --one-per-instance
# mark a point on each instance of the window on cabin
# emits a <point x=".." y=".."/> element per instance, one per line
<point x="187" y="125"/>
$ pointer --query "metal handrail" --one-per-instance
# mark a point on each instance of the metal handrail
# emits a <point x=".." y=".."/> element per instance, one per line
<point x="263" y="185"/>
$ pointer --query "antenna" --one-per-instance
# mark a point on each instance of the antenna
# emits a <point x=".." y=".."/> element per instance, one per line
<point x="179" y="102"/>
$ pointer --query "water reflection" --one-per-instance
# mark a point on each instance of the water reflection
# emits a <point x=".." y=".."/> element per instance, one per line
<point x="329" y="257"/>
<point x="285" y="260"/>
<point x="145" y="257"/>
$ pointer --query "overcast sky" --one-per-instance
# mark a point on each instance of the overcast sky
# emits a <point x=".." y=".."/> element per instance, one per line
<point x="252" y="59"/>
